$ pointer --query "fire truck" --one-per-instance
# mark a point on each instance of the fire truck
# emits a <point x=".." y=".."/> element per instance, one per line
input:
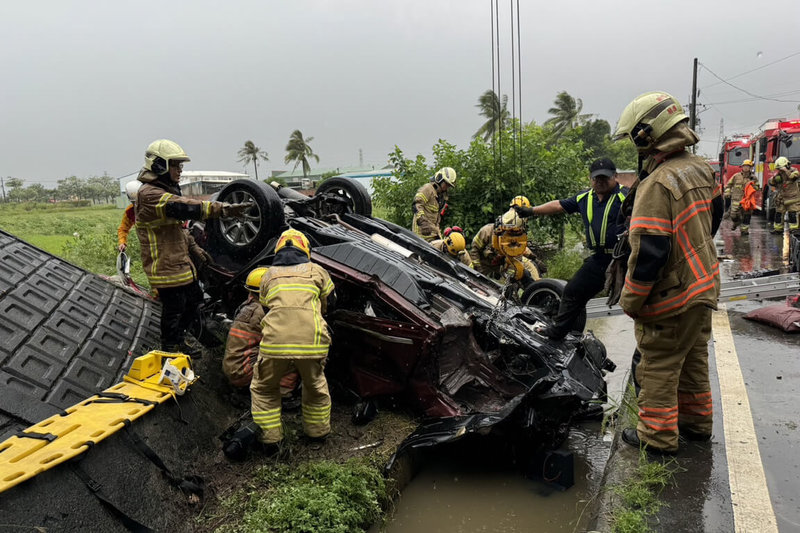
<point x="775" y="138"/>
<point x="735" y="150"/>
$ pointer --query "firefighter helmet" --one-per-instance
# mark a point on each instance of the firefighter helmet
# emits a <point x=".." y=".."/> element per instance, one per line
<point x="747" y="163"/>
<point x="781" y="162"/>
<point x="253" y="281"/>
<point x="160" y="153"/>
<point x="455" y="243"/>
<point x="521" y="201"/>
<point x="447" y="175"/>
<point x="132" y="189"/>
<point x="648" y="117"/>
<point x="292" y="237"/>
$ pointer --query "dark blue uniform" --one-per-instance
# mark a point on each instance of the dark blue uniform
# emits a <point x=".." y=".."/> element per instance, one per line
<point x="600" y="223"/>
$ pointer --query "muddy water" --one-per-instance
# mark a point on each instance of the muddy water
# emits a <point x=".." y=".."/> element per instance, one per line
<point x="466" y="492"/>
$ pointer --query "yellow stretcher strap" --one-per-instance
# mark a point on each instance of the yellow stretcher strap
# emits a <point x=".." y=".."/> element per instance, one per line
<point x="64" y="436"/>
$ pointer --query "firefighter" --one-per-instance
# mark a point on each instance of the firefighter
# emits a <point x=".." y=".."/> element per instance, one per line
<point x="734" y="193"/>
<point x="487" y="259"/>
<point x="454" y="244"/>
<point x="244" y="338"/>
<point x="295" y="292"/>
<point x="599" y="207"/>
<point x="167" y="248"/>
<point x="429" y="204"/>
<point x="128" y="216"/>
<point x="672" y="280"/>
<point x="787" y="199"/>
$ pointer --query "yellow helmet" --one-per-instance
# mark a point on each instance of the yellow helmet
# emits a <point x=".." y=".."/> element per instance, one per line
<point x="521" y="201"/>
<point x="747" y="162"/>
<point x="455" y="243"/>
<point x="447" y="175"/>
<point x="296" y="238"/>
<point x="160" y="153"/>
<point x="253" y="281"/>
<point x="648" y="117"/>
<point x="781" y="162"/>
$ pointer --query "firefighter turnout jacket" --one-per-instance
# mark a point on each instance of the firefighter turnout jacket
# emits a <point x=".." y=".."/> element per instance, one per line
<point x="673" y="262"/>
<point x="244" y="339"/>
<point x="296" y="298"/>
<point x="788" y="191"/>
<point x="160" y="211"/>
<point x="427" y="207"/>
<point x="735" y="187"/>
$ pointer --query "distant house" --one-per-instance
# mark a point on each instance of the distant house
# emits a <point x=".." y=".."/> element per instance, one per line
<point x="201" y="184"/>
<point x="365" y="177"/>
<point x="296" y="180"/>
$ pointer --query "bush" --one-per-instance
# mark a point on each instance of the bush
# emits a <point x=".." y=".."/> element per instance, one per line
<point x="323" y="497"/>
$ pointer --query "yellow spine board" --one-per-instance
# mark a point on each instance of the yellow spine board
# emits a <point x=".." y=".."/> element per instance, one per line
<point x="90" y="421"/>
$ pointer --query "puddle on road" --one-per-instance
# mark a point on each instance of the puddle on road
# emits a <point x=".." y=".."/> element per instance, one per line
<point x="759" y="250"/>
<point x="470" y="492"/>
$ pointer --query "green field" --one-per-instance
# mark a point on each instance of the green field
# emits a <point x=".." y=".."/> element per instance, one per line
<point x="84" y="236"/>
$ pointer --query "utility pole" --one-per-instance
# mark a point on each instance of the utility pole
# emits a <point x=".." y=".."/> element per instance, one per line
<point x="693" y="108"/>
<point x="3" y="186"/>
<point x="360" y="158"/>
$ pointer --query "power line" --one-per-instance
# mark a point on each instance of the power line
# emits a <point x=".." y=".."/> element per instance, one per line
<point x="756" y="96"/>
<point x="751" y="70"/>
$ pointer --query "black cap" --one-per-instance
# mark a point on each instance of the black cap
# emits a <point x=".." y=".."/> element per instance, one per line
<point x="602" y="167"/>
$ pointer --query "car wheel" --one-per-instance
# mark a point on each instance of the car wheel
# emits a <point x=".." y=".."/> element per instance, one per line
<point x="545" y="294"/>
<point x="247" y="235"/>
<point x="355" y="196"/>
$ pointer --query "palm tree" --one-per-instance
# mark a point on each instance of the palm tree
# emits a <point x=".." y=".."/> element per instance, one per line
<point x="250" y="152"/>
<point x="495" y="112"/>
<point x="298" y="150"/>
<point x="566" y="114"/>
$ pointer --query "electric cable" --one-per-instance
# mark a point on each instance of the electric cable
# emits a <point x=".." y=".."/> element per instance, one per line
<point x="751" y="70"/>
<point x="756" y="96"/>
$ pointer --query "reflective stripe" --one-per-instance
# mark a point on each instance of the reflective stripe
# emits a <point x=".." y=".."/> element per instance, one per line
<point x="175" y="278"/>
<point x="245" y="335"/>
<point x="590" y="216"/>
<point x="316" y="414"/>
<point x="269" y="419"/>
<point x="660" y="418"/>
<point x="298" y="349"/>
<point x="206" y="207"/>
<point x="637" y="288"/>
<point x="698" y="287"/>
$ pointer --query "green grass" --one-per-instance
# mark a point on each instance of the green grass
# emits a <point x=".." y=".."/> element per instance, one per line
<point x="84" y="236"/>
<point x="320" y="496"/>
<point x="640" y="494"/>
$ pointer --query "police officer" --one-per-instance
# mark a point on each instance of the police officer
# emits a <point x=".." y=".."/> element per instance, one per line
<point x="672" y="281"/>
<point x="599" y="207"/>
<point x="295" y="291"/>
<point x="167" y="248"/>
<point x="735" y="192"/>
<point x="429" y="202"/>
<point x="787" y="199"/>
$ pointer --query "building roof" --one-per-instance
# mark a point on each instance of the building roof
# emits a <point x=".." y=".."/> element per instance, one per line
<point x="211" y="176"/>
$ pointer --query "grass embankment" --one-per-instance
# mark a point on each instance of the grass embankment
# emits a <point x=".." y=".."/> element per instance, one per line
<point x="84" y="236"/>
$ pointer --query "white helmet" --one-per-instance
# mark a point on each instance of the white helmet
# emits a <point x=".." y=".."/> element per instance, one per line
<point x="447" y="175"/>
<point x="160" y="153"/>
<point x="132" y="189"/>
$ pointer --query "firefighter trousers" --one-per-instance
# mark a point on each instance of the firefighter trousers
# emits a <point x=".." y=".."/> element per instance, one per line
<point x="265" y="393"/>
<point x="178" y="310"/>
<point x="673" y="374"/>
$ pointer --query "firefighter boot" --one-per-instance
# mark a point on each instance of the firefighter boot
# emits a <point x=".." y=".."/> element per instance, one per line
<point x="745" y="229"/>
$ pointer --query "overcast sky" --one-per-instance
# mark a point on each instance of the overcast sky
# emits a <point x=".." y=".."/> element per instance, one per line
<point x="85" y="86"/>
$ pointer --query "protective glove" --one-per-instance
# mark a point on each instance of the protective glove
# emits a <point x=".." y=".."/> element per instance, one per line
<point x="524" y="212"/>
<point x="235" y="210"/>
<point x="617" y="268"/>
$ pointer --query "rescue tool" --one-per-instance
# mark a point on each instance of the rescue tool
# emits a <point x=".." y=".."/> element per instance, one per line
<point x="152" y="379"/>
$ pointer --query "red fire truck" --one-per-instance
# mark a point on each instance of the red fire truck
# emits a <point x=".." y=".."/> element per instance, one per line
<point x="776" y="138"/>
<point x="735" y="150"/>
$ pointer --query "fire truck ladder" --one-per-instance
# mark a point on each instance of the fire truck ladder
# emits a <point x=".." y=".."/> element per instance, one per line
<point x="774" y="286"/>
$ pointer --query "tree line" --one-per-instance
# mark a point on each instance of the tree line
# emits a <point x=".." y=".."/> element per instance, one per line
<point x="507" y="158"/>
<point x="98" y="189"/>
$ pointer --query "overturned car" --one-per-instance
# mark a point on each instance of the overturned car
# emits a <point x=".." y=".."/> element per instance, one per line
<point x="410" y="323"/>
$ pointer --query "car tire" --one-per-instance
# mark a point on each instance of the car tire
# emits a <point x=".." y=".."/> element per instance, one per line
<point x="243" y="237"/>
<point x="545" y="294"/>
<point x="357" y="197"/>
